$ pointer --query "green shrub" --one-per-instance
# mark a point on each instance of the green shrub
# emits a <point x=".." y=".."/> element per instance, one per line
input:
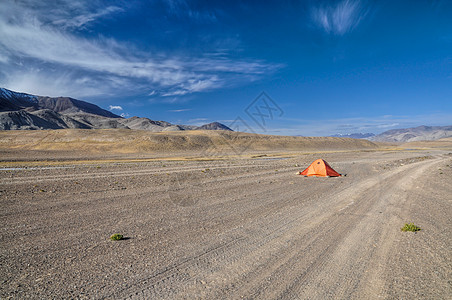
<point x="410" y="227"/>
<point x="116" y="237"/>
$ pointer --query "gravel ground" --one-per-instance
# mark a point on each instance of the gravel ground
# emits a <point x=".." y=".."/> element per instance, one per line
<point x="229" y="229"/>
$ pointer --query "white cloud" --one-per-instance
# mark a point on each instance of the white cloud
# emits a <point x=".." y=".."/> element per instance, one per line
<point x="340" y="17"/>
<point x="40" y="82"/>
<point x="4" y="58"/>
<point x="117" y="107"/>
<point x="39" y="35"/>
<point x="82" y="20"/>
<point x="182" y="9"/>
<point x="194" y="85"/>
<point x="179" y="110"/>
<point x="198" y="121"/>
<point x="387" y="125"/>
<point x="377" y="124"/>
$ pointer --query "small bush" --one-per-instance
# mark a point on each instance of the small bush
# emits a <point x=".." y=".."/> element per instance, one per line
<point x="410" y="227"/>
<point x="116" y="237"/>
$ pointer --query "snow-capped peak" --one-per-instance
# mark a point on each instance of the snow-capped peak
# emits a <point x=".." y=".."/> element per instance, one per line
<point x="10" y="95"/>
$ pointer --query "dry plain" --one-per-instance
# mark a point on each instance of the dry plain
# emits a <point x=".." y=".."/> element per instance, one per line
<point x="222" y="224"/>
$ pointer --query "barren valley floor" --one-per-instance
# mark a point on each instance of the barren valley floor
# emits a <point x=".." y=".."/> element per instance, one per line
<point x="229" y="229"/>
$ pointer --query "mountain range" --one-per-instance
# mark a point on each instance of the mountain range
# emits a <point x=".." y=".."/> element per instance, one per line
<point x="420" y="133"/>
<point x="20" y="111"/>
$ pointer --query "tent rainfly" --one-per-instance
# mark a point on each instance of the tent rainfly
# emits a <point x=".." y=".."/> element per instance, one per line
<point x="319" y="168"/>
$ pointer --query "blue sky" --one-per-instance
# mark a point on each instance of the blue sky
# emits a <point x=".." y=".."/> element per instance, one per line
<point x="328" y="66"/>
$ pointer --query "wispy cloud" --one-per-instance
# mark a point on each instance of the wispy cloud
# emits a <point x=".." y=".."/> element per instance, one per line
<point x="38" y="54"/>
<point x="377" y="124"/>
<point x="82" y="20"/>
<point x="193" y="85"/>
<point x="179" y="110"/>
<point x="115" y="107"/>
<point x="182" y="9"/>
<point x="198" y="121"/>
<point x="340" y="17"/>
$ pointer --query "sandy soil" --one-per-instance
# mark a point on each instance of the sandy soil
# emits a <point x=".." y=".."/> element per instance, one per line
<point x="445" y="143"/>
<point x="230" y="228"/>
<point x="133" y="142"/>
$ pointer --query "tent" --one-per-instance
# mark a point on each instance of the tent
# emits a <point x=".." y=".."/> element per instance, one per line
<point x="320" y="168"/>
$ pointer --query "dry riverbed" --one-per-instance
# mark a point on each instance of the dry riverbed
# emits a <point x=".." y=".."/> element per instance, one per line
<point x="229" y="228"/>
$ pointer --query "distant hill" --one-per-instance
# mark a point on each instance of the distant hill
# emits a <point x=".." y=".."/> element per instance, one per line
<point x="354" y="135"/>
<point x="20" y="111"/>
<point x="420" y="133"/>
<point x="202" y="142"/>
<point x="214" y="126"/>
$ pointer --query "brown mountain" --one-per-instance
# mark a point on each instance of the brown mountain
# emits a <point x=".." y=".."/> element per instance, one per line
<point x="20" y="111"/>
<point x="214" y="126"/>
<point x="420" y="133"/>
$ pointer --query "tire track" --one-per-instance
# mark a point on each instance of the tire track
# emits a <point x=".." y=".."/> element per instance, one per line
<point x="246" y="248"/>
<point x="254" y="234"/>
<point x="114" y="174"/>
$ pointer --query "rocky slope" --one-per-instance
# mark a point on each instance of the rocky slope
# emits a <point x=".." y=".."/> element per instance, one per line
<point x="214" y="126"/>
<point x="420" y="133"/>
<point x="20" y="111"/>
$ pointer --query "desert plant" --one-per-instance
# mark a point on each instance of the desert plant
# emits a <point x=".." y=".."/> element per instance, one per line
<point x="410" y="227"/>
<point x="116" y="237"/>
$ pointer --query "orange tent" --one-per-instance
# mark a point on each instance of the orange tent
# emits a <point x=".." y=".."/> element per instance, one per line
<point x="320" y="168"/>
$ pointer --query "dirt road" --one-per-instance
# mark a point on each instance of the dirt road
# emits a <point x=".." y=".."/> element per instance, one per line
<point x="230" y="229"/>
